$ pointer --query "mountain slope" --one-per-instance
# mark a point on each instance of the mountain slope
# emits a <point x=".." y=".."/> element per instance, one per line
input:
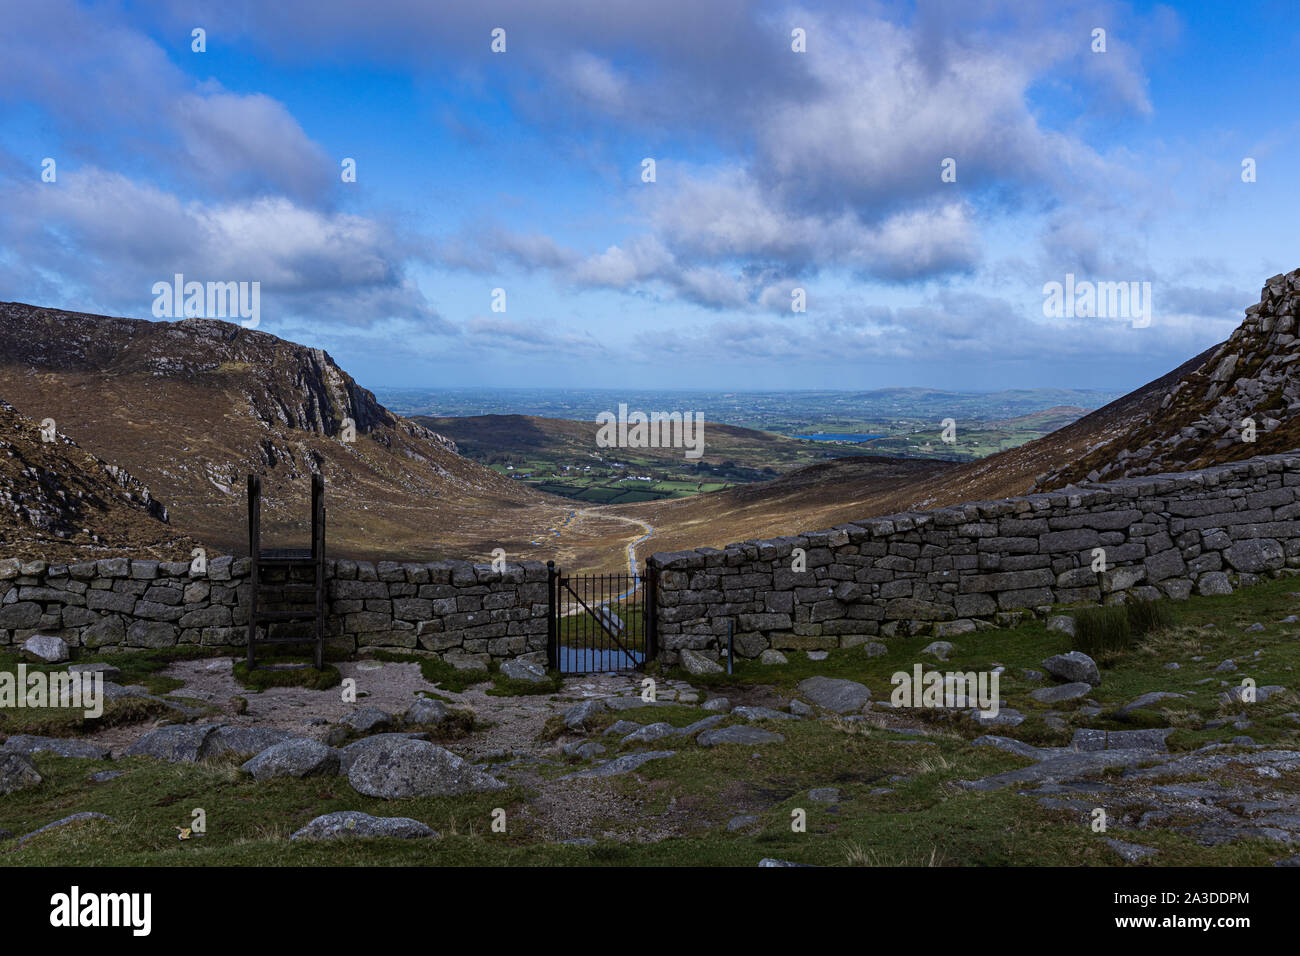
<point x="1203" y="419"/>
<point x="1189" y="418"/>
<point x="62" y="504"/>
<point x="192" y="406"/>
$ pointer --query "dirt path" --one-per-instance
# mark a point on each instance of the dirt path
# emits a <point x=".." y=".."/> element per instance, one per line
<point x="630" y="549"/>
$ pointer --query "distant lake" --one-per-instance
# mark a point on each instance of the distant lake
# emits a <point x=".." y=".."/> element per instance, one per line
<point x="835" y="436"/>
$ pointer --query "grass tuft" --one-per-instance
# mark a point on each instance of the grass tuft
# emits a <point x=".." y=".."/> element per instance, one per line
<point x="1105" y="633"/>
<point x="263" y="676"/>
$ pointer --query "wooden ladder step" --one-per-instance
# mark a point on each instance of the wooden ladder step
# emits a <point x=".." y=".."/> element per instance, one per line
<point x="303" y="615"/>
<point x="264" y="589"/>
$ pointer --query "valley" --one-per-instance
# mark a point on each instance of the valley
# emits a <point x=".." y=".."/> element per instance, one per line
<point x="189" y="408"/>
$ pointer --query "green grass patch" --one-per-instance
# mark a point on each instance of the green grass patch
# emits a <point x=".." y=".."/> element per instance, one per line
<point x="1105" y="632"/>
<point x="437" y="671"/>
<point x="273" y="672"/>
<point x="503" y="686"/>
<point x="72" y="722"/>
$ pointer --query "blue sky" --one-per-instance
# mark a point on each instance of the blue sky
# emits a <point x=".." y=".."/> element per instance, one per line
<point x="776" y="170"/>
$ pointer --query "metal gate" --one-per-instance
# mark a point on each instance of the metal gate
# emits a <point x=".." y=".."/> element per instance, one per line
<point x="600" y="622"/>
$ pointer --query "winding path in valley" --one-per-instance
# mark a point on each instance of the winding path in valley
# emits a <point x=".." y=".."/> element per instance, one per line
<point x="631" y="546"/>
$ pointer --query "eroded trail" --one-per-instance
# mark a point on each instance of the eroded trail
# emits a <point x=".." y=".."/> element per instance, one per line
<point x="630" y="549"/>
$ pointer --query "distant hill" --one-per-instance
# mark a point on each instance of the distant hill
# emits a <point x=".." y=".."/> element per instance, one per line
<point x="482" y="436"/>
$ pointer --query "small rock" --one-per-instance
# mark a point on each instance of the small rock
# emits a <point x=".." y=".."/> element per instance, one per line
<point x="697" y="663"/>
<point x="760" y="713"/>
<point x="691" y="730"/>
<point x="824" y="794"/>
<point x="620" y="765"/>
<point x="415" y="768"/>
<point x="1061" y="624"/>
<point x="622" y="728"/>
<point x="875" y="649"/>
<point x="59" y="746"/>
<point x="1146" y="700"/>
<point x="649" y="733"/>
<point x="74" y="818"/>
<point x="108" y="670"/>
<point x="586" y="749"/>
<point x="938" y="649"/>
<point x="104" y="776"/>
<point x="1062" y="692"/>
<point x="1238" y="694"/>
<point x="718" y="705"/>
<point x="749" y="736"/>
<point x="425" y="711"/>
<point x="1005" y="717"/>
<point x="178" y="743"/>
<point x="242" y="740"/>
<point x="817" y="655"/>
<point x="576" y="717"/>
<point x="835" y="694"/>
<point x="745" y="820"/>
<point x="517" y="669"/>
<point x="51" y="650"/>
<point x="1130" y="852"/>
<point x="800" y="709"/>
<point x="17" y="772"/>
<point x="365" y="720"/>
<point x="1088" y="740"/>
<point x="1213" y="582"/>
<point x="1074" y="666"/>
<point x="771" y="656"/>
<point x="352" y="824"/>
<point x="294" y="758"/>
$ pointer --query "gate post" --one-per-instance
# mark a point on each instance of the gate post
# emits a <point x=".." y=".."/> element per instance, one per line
<point x="552" y="644"/>
<point x="651" y="610"/>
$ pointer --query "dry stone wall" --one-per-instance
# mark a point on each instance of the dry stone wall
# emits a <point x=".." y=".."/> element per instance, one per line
<point x="951" y="571"/>
<point x="973" y="566"/>
<point x="467" y="613"/>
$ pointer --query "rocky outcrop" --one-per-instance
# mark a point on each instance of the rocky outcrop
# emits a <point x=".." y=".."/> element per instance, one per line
<point x="352" y="824"/>
<point x="53" y="493"/>
<point x="1243" y="401"/>
<point x="416" y="768"/>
